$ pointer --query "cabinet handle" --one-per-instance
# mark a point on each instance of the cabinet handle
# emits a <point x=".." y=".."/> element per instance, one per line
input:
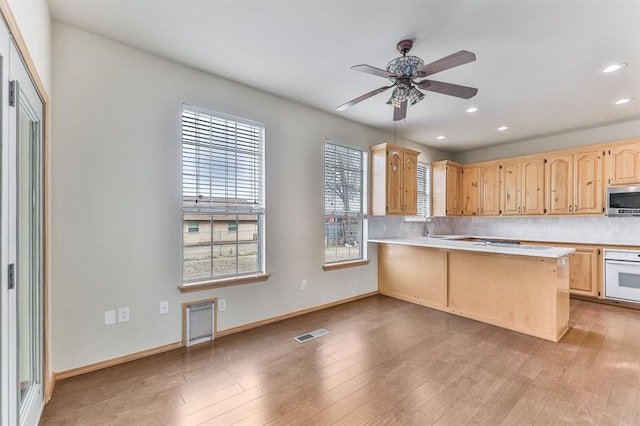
<point x="570" y="206"/>
<point x="575" y="208"/>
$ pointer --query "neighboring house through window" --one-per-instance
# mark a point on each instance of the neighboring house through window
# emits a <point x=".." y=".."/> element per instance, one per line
<point x="223" y="196"/>
<point x="345" y="201"/>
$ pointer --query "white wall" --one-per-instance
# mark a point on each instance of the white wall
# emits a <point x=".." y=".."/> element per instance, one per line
<point x="32" y="17"/>
<point x="592" y="136"/>
<point x="116" y="199"/>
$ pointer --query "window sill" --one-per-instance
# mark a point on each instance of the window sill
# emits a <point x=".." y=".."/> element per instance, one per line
<point x="342" y="265"/>
<point x="208" y="285"/>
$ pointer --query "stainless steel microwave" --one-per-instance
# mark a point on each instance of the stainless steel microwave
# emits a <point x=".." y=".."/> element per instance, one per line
<point x="623" y="201"/>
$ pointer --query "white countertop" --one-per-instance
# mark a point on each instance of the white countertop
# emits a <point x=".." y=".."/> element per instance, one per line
<point x="452" y="244"/>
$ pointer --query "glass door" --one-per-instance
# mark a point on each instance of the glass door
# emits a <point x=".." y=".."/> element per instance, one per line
<point x="26" y="237"/>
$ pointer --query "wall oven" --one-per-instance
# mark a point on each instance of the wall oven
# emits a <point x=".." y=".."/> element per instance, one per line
<point x="622" y="275"/>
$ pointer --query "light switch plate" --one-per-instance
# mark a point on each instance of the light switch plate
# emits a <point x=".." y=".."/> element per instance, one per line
<point x="164" y="307"/>
<point x="109" y="317"/>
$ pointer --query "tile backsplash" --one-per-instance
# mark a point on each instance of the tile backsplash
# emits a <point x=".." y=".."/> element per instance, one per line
<point x="571" y="229"/>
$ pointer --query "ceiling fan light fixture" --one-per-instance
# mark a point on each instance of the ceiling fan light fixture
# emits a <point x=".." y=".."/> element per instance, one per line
<point x="415" y="96"/>
<point x="405" y="66"/>
<point x="400" y="94"/>
<point x="613" y="68"/>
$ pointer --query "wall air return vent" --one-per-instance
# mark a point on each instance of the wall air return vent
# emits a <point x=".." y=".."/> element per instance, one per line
<point x="199" y="322"/>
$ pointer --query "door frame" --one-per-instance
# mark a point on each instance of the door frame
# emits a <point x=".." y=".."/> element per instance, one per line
<point x="16" y="35"/>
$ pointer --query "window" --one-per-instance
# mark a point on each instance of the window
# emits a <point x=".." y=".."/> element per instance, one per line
<point x="193" y="227"/>
<point x="424" y="189"/>
<point x="423" y="192"/>
<point x="222" y="183"/>
<point x="345" y="198"/>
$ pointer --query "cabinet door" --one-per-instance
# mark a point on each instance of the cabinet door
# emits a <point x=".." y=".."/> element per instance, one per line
<point x="490" y="190"/>
<point x="588" y="195"/>
<point x="410" y="184"/>
<point x="582" y="272"/>
<point x="532" y="192"/>
<point x="454" y="175"/>
<point x="510" y="181"/>
<point x="470" y="191"/>
<point x="624" y="165"/>
<point x="394" y="181"/>
<point x="559" y="184"/>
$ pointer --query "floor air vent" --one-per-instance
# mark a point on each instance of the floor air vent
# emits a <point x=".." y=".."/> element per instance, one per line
<point x="199" y="327"/>
<point x="312" y="335"/>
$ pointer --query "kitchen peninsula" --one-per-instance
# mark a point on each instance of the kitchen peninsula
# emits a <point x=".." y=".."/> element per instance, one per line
<point x="524" y="288"/>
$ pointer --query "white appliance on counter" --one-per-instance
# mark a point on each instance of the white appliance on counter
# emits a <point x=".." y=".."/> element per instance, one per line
<point x="622" y="275"/>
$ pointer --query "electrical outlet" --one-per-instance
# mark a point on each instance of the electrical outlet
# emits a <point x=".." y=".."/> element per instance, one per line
<point x="109" y="317"/>
<point x="303" y="285"/>
<point x="222" y="305"/>
<point x="164" y="307"/>
<point x="123" y="314"/>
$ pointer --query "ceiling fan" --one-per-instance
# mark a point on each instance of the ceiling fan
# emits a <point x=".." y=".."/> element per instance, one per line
<point x="405" y="71"/>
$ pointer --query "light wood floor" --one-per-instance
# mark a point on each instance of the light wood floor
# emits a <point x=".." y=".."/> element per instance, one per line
<point x="384" y="362"/>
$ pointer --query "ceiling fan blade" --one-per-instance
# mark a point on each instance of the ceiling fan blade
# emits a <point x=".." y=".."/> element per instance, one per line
<point x="453" y="60"/>
<point x="373" y="70"/>
<point x="450" y="89"/>
<point x="400" y="113"/>
<point x="362" y="98"/>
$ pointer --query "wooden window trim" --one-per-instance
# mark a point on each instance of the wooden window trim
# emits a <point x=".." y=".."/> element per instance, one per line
<point x="343" y="265"/>
<point x="227" y="282"/>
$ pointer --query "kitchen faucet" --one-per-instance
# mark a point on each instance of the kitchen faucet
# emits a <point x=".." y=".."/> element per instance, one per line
<point x="427" y="221"/>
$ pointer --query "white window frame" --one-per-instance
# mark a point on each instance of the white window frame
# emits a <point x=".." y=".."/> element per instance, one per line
<point x="227" y="192"/>
<point x="337" y="209"/>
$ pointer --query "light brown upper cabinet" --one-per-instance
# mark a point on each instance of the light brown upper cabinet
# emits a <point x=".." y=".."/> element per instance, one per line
<point x="471" y="191"/>
<point x="574" y="183"/>
<point x="481" y="189"/>
<point x="393" y="180"/>
<point x="522" y="186"/>
<point x="446" y="187"/>
<point x="490" y="189"/>
<point x="624" y="164"/>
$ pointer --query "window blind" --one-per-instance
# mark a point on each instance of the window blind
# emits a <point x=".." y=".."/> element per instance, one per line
<point x="345" y="171"/>
<point x="222" y="163"/>
<point x="424" y="189"/>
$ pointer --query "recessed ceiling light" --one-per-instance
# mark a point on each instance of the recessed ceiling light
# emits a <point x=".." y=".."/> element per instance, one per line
<point x="623" y="101"/>
<point x="472" y="109"/>
<point x="441" y="137"/>
<point x="503" y="128"/>
<point x="613" y="67"/>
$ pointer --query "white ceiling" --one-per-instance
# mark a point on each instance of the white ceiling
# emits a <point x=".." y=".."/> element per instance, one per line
<point x="538" y="66"/>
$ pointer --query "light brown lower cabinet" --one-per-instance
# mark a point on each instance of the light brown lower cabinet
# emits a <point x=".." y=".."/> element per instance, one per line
<point x="584" y="265"/>
<point x="527" y="294"/>
<point x="413" y="274"/>
<point x="585" y="269"/>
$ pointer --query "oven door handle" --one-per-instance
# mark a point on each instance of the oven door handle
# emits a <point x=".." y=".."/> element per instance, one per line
<point x="621" y="262"/>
